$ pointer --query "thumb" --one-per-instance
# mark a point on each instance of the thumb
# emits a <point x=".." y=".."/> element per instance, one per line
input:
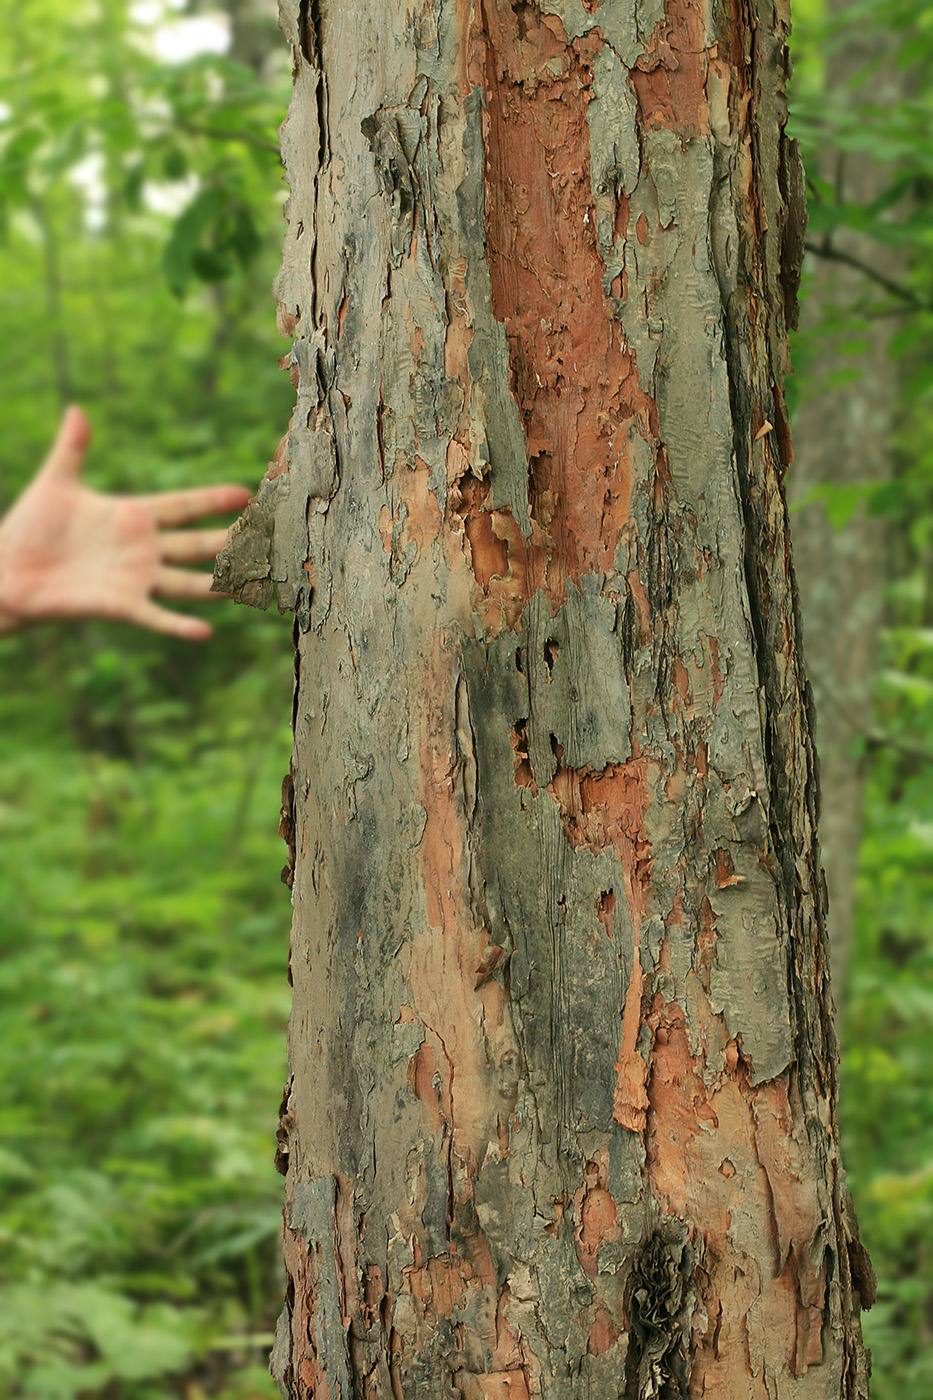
<point x="67" y="453"/>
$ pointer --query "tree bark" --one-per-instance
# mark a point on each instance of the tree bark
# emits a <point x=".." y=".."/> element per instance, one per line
<point x="562" y="1117"/>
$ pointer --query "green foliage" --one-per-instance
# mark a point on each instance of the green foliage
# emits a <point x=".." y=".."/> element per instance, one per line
<point x="143" y="945"/>
<point x="143" y="1006"/>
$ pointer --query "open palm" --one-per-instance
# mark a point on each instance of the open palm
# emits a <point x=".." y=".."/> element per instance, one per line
<point x="67" y="551"/>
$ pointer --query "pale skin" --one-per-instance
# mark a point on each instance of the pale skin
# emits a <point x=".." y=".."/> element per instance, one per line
<point x="68" y="551"/>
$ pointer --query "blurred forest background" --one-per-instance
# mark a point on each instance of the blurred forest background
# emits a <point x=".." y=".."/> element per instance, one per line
<point x="143" y="997"/>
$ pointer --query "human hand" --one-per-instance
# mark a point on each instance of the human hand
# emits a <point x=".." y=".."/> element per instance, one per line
<point x="67" y="551"/>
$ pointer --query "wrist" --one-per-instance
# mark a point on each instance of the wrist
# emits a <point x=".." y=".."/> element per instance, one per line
<point x="11" y="619"/>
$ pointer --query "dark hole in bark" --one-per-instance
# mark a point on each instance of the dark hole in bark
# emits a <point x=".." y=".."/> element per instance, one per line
<point x="524" y="774"/>
<point x="305" y="30"/>
<point x="310" y="32"/>
<point x="557" y="749"/>
<point x="518" y="661"/>
<point x="527" y="16"/>
<point x="551" y="649"/>
<point x="538" y="475"/>
<point x="659" y="1303"/>
<point x="628" y="629"/>
<point x="395" y="1370"/>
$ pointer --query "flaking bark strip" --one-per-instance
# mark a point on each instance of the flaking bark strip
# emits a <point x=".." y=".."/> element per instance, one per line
<point x="317" y="1305"/>
<point x="501" y="447"/>
<point x="400" y="138"/>
<point x="266" y="555"/>
<point x="244" y="564"/>
<point x="273" y="552"/>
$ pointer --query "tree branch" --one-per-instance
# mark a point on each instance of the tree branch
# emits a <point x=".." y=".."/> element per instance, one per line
<point x="827" y="250"/>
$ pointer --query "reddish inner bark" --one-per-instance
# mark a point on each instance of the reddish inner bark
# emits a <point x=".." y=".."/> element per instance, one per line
<point x="670" y="76"/>
<point x="572" y="375"/>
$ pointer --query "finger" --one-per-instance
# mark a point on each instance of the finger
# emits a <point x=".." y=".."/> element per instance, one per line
<point x="171" y="624"/>
<point x="182" y="583"/>
<point x="181" y="507"/>
<point x="191" y="546"/>
<point x="68" y="449"/>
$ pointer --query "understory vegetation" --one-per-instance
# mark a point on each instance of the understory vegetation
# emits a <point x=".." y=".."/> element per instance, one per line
<point x="143" y="927"/>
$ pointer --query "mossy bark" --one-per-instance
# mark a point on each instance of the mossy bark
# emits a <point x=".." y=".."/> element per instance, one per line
<point x="562" y="1117"/>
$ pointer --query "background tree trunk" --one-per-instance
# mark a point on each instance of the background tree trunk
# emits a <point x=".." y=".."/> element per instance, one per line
<point x="561" y="1120"/>
<point x="843" y="437"/>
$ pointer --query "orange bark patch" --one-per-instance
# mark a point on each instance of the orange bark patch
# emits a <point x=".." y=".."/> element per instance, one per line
<point x="430" y="1078"/>
<point x="439" y="1285"/>
<point x="719" y="679"/>
<point x="490" y="551"/>
<point x="596" y="1212"/>
<point x="796" y="1213"/>
<point x="489" y="554"/>
<point x="413" y="515"/>
<point x="630" y="1100"/>
<point x="670" y="77"/>
<point x="723" y="870"/>
<point x="599" y="1219"/>
<point x="507" y="567"/>
<point x="722" y="1155"/>
<point x="682" y="688"/>
<point x="603" y="1334"/>
<point x="606" y="808"/>
<point x="572" y="376"/>
<point x="706" y="943"/>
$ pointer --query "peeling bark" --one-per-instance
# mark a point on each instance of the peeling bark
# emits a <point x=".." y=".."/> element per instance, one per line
<point x="562" y="1112"/>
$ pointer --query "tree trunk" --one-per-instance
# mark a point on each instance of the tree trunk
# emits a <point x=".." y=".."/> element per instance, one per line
<point x="843" y="437"/>
<point x="561" y="1120"/>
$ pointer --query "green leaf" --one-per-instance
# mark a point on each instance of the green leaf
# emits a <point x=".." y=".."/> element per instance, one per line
<point x="243" y="236"/>
<point x="178" y="260"/>
<point x="175" y="163"/>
